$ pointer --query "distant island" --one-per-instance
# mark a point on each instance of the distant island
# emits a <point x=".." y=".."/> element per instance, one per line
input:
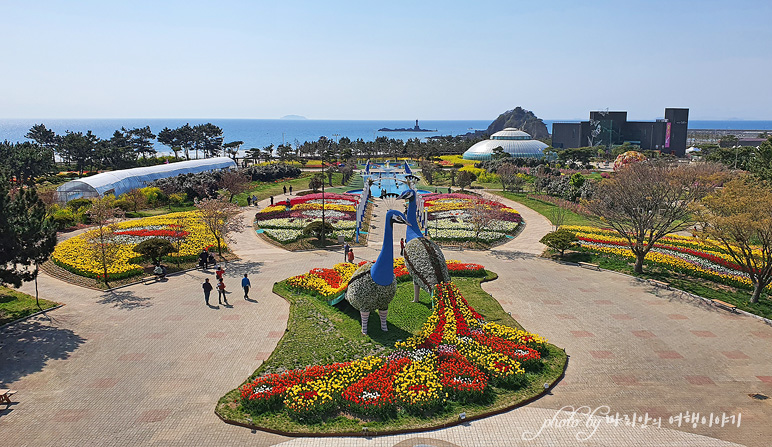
<point x="407" y="129"/>
<point x="293" y="117"/>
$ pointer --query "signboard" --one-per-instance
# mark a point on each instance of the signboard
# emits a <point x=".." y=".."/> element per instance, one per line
<point x="667" y="135"/>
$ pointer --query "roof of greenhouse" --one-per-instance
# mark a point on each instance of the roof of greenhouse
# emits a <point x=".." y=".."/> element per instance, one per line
<point x="124" y="180"/>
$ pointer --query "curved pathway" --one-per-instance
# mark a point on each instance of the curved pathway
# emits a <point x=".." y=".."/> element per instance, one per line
<point x="144" y="365"/>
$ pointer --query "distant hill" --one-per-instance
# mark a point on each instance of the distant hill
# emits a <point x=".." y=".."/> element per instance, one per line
<point x="293" y="117"/>
<point x="519" y="118"/>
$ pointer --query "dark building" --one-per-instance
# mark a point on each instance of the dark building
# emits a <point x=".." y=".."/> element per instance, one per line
<point x="612" y="129"/>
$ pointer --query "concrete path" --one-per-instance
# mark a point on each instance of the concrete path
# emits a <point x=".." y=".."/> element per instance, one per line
<point x="145" y="365"/>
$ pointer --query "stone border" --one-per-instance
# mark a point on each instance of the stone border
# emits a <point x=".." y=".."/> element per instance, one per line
<point x="30" y="316"/>
<point x="370" y="434"/>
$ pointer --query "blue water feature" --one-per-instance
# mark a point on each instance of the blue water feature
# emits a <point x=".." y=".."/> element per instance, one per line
<point x="388" y="182"/>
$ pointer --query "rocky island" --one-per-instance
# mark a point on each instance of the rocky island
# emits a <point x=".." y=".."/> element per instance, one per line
<point x="407" y="129"/>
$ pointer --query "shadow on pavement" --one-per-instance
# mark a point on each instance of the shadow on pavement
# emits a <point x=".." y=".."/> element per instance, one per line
<point x="124" y="299"/>
<point x="512" y="255"/>
<point x="241" y="266"/>
<point x="27" y="346"/>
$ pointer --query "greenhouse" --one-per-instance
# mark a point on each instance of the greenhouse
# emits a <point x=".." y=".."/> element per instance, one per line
<point x="516" y="143"/>
<point x="122" y="181"/>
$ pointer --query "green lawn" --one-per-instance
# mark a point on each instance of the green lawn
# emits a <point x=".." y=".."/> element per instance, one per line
<point x="263" y="190"/>
<point x="15" y="305"/>
<point x="544" y="208"/>
<point x="698" y="286"/>
<point x="319" y="334"/>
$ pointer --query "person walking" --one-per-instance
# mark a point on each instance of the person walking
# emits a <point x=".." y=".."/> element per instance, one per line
<point x="254" y="200"/>
<point x="246" y="285"/>
<point x="346" y="249"/>
<point x="207" y="286"/>
<point x="203" y="259"/>
<point x="221" y="293"/>
<point x="249" y="200"/>
<point x="219" y="273"/>
<point x="290" y="189"/>
<point x="351" y="256"/>
<point x="285" y="190"/>
<point x="271" y="200"/>
<point x="402" y="246"/>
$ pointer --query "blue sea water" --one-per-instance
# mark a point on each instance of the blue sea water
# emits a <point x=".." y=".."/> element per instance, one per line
<point x="254" y="133"/>
<point x="263" y="132"/>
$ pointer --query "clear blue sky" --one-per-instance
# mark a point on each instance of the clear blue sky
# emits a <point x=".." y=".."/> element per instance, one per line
<point x="383" y="60"/>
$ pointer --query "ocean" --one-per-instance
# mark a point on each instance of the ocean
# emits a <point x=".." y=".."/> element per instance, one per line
<point x="254" y="133"/>
<point x="264" y="132"/>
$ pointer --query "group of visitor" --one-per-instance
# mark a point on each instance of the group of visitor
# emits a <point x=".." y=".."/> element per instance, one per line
<point x="205" y="258"/>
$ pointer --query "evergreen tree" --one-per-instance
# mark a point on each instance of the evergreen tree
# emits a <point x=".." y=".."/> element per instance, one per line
<point x="28" y="237"/>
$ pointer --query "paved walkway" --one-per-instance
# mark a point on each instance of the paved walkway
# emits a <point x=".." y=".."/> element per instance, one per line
<point x="144" y="365"/>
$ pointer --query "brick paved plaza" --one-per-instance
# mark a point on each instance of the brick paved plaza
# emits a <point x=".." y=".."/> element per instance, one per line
<point x="146" y="364"/>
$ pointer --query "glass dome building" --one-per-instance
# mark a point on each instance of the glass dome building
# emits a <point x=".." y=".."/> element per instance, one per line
<point x="515" y="142"/>
<point x="124" y="180"/>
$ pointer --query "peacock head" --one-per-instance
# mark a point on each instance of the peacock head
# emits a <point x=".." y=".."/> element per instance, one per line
<point x="408" y="194"/>
<point x="394" y="216"/>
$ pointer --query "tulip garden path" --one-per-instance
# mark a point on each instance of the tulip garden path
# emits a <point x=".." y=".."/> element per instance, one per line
<point x="145" y="364"/>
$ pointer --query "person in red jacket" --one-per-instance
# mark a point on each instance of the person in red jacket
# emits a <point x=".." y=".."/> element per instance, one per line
<point x="221" y="293"/>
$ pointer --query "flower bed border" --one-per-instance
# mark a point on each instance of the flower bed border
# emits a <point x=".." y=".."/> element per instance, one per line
<point x="372" y="433"/>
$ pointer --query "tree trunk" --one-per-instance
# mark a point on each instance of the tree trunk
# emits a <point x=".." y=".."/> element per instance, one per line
<point x="37" y="299"/>
<point x="757" y="289"/>
<point x="639" y="262"/>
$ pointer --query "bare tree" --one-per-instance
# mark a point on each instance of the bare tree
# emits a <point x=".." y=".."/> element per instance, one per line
<point x="738" y="218"/>
<point x="482" y="216"/>
<point x="507" y="173"/>
<point x="136" y="199"/>
<point x="645" y="201"/>
<point x="220" y="217"/>
<point x="557" y="215"/>
<point x="234" y="182"/>
<point x="102" y="240"/>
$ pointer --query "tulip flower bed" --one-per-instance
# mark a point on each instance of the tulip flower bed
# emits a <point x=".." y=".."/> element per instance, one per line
<point x="450" y="218"/>
<point x="688" y="255"/>
<point x="457" y="361"/>
<point x="184" y="228"/>
<point x="329" y="283"/>
<point x="285" y="225"/>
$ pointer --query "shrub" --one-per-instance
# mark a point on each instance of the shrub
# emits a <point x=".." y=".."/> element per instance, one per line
<point x="63" y="218"/>
<point x="316" y="228"/>
<point x="177" y="198"/>
<point x="559" y="240"/>
<point x="155" y="248"/>
<point x="153" y="195"/>
<point x="74" y="204"/>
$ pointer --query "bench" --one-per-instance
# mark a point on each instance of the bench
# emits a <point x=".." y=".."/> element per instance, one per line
<point x="5" y="395"/>
<point x="727" y="306"/>
<point x="661" y="284"/>
<point x="588" y="265"/>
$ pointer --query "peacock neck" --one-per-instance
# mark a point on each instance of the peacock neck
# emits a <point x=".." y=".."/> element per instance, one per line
<point x="413" y="230"/>
<point x="382" y="271"/>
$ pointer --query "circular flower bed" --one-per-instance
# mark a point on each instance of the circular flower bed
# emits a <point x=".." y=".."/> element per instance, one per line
<point x="185" y="229"/>
<point x="456" y="217"/>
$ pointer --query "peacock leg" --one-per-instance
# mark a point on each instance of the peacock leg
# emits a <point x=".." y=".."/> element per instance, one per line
<point x="365" y="316"/>
<point x="383" y="314"/>
<point x="416" y="290"/>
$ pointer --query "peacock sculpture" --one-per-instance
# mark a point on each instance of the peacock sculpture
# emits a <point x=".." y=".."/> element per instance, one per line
<point x="423" y="258"/>
<point x="373" y="286"/>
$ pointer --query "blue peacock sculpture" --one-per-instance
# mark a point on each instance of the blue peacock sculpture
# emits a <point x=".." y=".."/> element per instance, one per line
<point x="373" y="286"/>
<point x="423" y="258"/>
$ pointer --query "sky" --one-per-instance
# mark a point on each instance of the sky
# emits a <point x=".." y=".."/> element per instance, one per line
<point x="433" y="60"/>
